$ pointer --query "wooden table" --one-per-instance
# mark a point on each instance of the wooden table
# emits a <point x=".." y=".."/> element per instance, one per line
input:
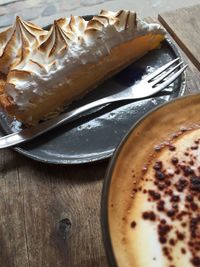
<point x="50" y="215"/>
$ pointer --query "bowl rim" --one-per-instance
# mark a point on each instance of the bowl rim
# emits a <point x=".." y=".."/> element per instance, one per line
<point x="104" y="212"/>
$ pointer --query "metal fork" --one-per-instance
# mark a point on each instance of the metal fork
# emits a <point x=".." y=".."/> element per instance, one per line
<point x="149" y="86"/>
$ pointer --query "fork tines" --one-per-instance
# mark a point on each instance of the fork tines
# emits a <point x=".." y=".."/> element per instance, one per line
<point x="173" y="67"/>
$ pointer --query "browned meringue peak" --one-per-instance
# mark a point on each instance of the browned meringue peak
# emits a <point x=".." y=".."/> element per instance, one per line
<point x="62" y="34"/>
<point x="77" y="24"/>
<point x="73" y="27"/>
<point x="17" y="41"/>
<point x="122" y="20"/>
<point x="57" y="40"/>
<point x="53" y="49"/>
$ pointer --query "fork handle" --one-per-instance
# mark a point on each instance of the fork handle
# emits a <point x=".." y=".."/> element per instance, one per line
<point x="35" y="131"/>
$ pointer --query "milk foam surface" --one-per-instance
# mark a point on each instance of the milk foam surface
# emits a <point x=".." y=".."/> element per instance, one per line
<point x="165" y="209"/>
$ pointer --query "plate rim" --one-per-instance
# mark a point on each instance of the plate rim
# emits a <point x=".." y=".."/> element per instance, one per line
<point x="106" y="154"/>
<point x="104" y="208"/>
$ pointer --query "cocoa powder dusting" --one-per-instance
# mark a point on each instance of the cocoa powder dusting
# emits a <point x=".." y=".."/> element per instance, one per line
<point x="133" y="224"/>
<point x="177" y="201"/>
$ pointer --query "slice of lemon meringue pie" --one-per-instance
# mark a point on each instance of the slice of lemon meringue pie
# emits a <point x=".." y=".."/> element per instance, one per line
<point x="41" y="71"/>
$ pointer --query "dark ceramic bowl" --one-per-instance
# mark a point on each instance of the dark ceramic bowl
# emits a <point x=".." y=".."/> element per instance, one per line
<point x="130" y="156"/>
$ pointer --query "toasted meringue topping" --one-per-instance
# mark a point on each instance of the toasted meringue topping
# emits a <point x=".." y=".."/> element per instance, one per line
<point x="70" y="43"/>
<point x="121" y="19"/>
<point x="17" y="42"/>
<point x="57" y="41"/>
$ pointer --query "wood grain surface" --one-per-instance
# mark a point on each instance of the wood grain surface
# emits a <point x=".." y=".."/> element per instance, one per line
<point x="50" y="214"/>
<point x="184" y="26"/>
